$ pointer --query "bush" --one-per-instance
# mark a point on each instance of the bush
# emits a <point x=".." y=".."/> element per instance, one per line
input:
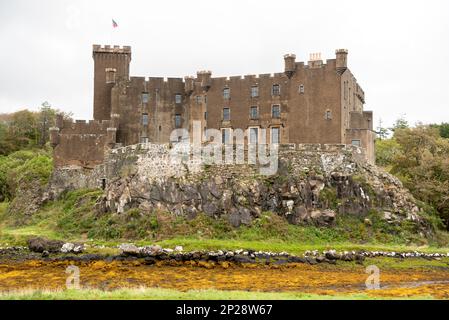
<point x="386" y="151"/>
<point x="22" y="167"/>
<point x="419" y="157"/>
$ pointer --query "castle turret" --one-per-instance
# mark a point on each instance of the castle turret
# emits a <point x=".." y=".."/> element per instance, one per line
<point x="290" y="64"/>
<point x="342" y="60"/>
<point x="205" y="78"/>
<point x="189" y="85"/>
<point x="111" y="64"/>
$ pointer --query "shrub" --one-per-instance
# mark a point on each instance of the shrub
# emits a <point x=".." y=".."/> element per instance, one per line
<point x="22" y="167"/>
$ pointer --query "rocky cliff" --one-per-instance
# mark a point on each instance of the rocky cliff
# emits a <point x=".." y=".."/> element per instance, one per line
<point x="313" y="185"/>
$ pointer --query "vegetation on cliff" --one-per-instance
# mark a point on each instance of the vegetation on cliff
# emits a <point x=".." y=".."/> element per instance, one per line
<point x="74" y="217"/>
<point x="27" y="129"/>
<point x="418" y="156"/>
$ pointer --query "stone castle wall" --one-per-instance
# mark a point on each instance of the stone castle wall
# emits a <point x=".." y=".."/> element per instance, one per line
<point x="156" y="162"/>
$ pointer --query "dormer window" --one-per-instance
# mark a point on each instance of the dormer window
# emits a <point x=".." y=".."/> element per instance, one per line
<point x="227" y="93"/>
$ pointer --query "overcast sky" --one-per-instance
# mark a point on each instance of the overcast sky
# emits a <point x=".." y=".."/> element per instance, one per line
<point x="398" y="50"/>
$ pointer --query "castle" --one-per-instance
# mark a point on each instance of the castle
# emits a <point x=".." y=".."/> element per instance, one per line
<point x="313" y="103"/>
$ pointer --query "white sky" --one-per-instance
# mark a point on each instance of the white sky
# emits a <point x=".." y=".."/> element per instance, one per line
<point x="398" y="50"/>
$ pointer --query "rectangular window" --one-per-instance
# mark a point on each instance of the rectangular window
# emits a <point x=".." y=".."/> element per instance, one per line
<point x="301" y="89"/>
<point x="226" y="136"/>
<point x="356" y="143"/>
<point x="110" y="75"/>
<point x="275" y="135"/>
<point x="226" y="114"/>
<point x="143" y="140"/>
<point x="328" y="115"/>
<point x="145" y="119"/>
<point x="205" y="115"/>
<point x="178" y="121"/>
<point x="276" y="111"/>
<point x="226" y="93"/>
<point x="253" y="135"/>
<point x="254" y="91"/>
<point x="178" y="98"/>
<point x="276" y="90"/>
<point x="198" y="99"/>
<point x="254" y="112"/>
<point x="145" y="97"/>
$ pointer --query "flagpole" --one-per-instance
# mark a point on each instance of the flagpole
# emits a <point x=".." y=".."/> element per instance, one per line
<point x="114" y="26"/>
<point x="112" y="35"/>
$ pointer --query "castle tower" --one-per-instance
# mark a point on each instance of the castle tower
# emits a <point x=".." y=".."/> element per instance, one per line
<point x="342" y="60"/>
<point x="205" y="78"/>
<point x="290" y="64"/>
<point x="110" y="65"/>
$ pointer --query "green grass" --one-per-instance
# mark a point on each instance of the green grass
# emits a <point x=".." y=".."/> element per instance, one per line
<point x="289" y="246"/>
<point x="169" y="294"/>
<point x="73" y="219"/>
<point x="3" y="207"/>
<point x="385" y="263"/>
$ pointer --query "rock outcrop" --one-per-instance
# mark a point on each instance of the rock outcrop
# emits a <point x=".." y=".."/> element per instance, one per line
<point x="312" y="185"/>
<point x="45" y="246"/>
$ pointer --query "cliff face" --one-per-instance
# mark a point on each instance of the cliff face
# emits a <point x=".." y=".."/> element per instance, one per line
<point x="313" y="184"/>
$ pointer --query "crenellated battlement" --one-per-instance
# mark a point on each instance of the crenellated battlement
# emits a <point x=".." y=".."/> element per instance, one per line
<point x="96" y="48"/>
<point x="204" y="77"/>
<point x="158" y="80"/>
<point x="86" y="127"/>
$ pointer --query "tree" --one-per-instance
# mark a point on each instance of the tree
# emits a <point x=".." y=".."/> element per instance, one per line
<point x="6" y="145"/>
<point x="46" y="119"/>
<point x="382" y="132"/>
<point x="386" y="152"/>
<point x="422" y="164"/>
<point x="401" y="123"/>
<point x="23" y="128"/>
<point x="443" y="129"/>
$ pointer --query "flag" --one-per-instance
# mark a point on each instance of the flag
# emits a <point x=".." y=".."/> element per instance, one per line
<point x="114" y="24"/>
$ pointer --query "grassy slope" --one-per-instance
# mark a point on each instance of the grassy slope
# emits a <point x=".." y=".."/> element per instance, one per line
<point x="168" y="294"/>
<point x="72" y="219"/>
